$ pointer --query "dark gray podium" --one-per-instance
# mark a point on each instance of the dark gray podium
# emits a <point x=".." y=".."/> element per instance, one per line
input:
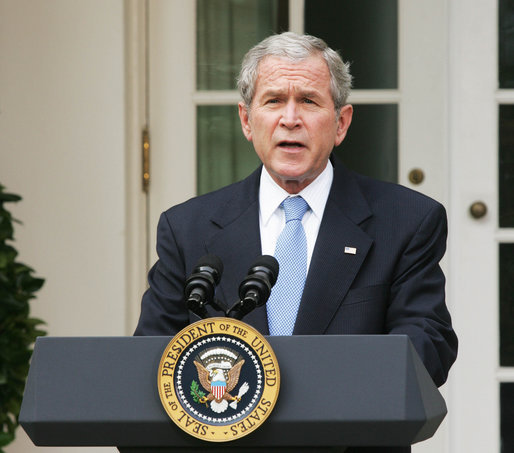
<point x="335" y="391"/>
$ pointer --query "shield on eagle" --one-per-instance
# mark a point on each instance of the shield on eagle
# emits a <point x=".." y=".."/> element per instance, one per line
<point x="218" y="389"/>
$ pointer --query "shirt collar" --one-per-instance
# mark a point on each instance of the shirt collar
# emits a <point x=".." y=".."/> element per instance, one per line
<point x="271" y="195"/>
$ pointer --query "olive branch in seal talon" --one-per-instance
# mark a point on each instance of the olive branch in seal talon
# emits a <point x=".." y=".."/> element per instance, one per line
<point x="197" y="394"/>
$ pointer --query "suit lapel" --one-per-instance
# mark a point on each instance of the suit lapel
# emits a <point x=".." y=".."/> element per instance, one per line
<point x="238" y="244"/>
<point x="236" y="241"/>
<point x="332" y="271"/>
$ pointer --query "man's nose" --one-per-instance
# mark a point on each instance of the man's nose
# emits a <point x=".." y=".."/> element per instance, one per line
<point x="290" y="115"/>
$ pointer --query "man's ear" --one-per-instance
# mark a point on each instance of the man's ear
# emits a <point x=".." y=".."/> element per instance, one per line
<point x="343" y="123"/>
<point x="245" y="121"/>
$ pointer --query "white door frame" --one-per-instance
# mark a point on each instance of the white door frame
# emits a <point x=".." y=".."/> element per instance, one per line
<point x="473" y="135"/>
<point x="136" y="242"/>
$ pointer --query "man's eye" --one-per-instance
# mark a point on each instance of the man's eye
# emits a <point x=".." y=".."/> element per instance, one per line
<point x="273" y="101"/>
<point x="308" y="101"/>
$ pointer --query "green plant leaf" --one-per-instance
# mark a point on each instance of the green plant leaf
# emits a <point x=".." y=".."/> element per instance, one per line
<point x="7" y="255"/>
<point x="18" y="331"/>
<point x="9" y="197"/>
<point x="5" y="439"/>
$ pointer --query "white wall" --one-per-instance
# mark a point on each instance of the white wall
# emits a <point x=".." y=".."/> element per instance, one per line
<point x="62" y="147"/>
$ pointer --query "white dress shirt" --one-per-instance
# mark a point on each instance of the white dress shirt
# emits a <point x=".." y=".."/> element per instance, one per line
<point x="272" y="217"/>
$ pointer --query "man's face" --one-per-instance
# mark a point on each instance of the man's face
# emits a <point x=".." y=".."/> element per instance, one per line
<point x="292" y="121"/>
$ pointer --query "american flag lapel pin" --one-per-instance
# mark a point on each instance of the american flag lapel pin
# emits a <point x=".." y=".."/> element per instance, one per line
<point x="350" y="250"/>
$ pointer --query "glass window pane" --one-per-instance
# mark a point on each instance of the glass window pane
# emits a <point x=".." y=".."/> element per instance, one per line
<point x="507" y="305"/>
<point x="506" y="43"/>
<point x="224" y="155"/>
<point x="507" y="417"/>
<point x="226" y="29"/>
<point x="506" y="167"/>
<point x="366" y="34"/>
<point x="373" y="154"/>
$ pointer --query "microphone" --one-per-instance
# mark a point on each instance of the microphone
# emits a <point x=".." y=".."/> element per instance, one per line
<point x="255" y="289"/>
<point x="199" y="288"/>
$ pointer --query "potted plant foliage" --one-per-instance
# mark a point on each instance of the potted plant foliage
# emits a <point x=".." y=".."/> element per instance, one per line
<point x="18" y="330"/>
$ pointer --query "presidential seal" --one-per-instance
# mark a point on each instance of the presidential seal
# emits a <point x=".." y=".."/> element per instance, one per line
<point x="218" y="379"/>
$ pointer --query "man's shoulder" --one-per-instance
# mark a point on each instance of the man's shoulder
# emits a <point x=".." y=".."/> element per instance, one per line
<point x="379" y="192"/>
<point x="389" y="202"/>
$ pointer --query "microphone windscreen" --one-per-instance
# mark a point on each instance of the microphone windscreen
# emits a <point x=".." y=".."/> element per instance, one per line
<point x="269" y="262"/>
<point x="214" y="262"/>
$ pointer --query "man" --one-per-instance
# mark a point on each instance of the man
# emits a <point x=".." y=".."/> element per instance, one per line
<point x="372" y="248"/>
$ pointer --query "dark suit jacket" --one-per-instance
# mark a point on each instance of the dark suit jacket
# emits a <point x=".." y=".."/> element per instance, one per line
<point x="392" y="285"/>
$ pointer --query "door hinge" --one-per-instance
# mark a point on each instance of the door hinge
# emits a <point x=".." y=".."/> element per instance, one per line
<point x="146" y="159"/>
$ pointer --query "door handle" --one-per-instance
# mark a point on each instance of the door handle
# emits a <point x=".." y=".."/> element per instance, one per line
<point x="416" y="176"/>
<point x="478" y="209"/>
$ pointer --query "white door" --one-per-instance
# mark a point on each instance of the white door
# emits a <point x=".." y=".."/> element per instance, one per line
<point x="436" y="120"/>
<point x="482" y="249"/>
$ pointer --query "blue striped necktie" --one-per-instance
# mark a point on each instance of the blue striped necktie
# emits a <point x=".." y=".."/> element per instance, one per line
<point x="291" y="253"/>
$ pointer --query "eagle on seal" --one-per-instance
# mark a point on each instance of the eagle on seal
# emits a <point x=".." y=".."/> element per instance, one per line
<point x="219" y="386"/>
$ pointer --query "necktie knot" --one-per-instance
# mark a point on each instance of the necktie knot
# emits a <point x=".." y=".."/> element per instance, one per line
<point x="294" y="208"/>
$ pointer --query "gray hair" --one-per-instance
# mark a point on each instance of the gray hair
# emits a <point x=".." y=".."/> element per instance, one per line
<point x="295" y="48"/>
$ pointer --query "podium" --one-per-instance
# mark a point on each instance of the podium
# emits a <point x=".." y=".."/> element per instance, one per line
<point x="335" y="391"/>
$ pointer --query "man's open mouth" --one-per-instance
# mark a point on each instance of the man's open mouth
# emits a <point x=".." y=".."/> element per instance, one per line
<point x="291" y="144"/>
